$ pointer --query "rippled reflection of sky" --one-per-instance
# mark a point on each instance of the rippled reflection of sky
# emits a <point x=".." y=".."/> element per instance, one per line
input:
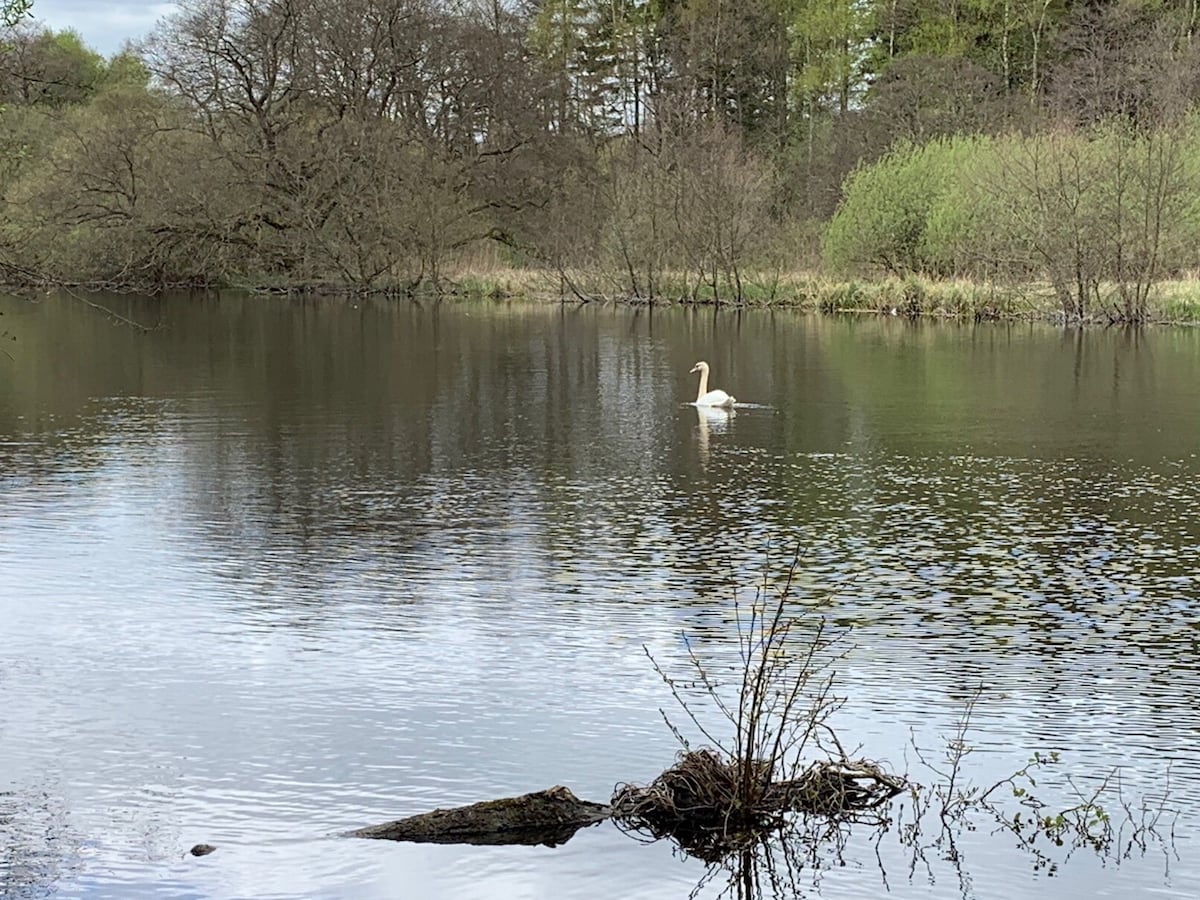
<point x="104" y="26"/>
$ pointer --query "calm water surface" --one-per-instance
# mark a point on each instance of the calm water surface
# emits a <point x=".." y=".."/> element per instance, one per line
<point x="278" y="569"/>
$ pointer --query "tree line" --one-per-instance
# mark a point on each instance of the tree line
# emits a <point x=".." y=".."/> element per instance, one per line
<point x="647" y="148"/>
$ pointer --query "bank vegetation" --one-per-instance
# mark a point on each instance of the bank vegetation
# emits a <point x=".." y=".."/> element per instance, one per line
<point x="983" y="159"/>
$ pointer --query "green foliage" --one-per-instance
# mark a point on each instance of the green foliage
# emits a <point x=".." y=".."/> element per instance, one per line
<point x="827" y="37"/>
<point x="56" y="69"/>
<point x="960" y="236"/>
<point x="70" y="71"/>
<point x="593" y="48"/>
<point x="886" y="208"/>
<point x="91" y="206"/>
<point x="666" y="150"/>
<point x="1102" y="214"/>
<point x="1014" y="39"/>
<point x="125" y="69"/>
<point x="25" y="133"/>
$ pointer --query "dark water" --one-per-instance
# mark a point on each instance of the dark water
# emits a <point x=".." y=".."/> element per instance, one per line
<point x="276" y="569"/>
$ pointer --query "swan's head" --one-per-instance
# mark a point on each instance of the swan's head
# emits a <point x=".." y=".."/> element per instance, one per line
<point x="699" y="367"/>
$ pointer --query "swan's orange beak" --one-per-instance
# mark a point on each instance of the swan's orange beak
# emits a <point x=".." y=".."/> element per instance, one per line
<point x="694" y="369"/>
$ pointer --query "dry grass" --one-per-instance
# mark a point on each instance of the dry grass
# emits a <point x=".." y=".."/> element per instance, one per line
<point x="1172" y="302"/>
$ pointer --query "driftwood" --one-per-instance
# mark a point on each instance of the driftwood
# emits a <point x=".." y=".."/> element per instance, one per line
<point x="549" y="817"/>
<point x="695" y="801"/>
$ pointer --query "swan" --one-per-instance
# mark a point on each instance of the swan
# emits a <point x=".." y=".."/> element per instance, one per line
<point x="705" y="397"/>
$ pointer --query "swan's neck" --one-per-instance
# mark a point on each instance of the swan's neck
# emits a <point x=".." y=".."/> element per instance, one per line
<point x="703" y="383"/>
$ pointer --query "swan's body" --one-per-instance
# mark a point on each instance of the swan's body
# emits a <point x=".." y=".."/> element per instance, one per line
<point x="705" y="397"/>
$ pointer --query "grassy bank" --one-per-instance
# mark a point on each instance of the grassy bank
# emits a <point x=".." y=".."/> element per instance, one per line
<point x="1171" y="302"/>
<point x="1175" y="302"/>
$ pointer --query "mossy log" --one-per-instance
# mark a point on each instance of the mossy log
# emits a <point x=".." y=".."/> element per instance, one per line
<point x="549" y="817"/>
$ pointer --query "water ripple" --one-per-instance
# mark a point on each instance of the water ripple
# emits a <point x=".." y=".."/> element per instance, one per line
<point x="258" y="611"/>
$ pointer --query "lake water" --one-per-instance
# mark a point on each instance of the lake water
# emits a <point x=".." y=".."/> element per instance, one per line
<point x="276" y="569"/>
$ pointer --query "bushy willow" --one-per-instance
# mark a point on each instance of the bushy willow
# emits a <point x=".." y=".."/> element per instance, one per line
<point x="884" y="217"/>
<point x="1100" y="214"/>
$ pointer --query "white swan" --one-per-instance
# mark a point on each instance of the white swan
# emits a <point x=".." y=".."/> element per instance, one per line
<point x="705" y="397"/>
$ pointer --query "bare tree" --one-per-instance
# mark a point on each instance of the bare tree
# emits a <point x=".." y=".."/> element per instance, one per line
<point x="1126" y="61"/>
<point x="13" y="11"/>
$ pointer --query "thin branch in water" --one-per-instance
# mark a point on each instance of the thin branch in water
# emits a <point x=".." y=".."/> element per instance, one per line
<point x="111" y="313"/>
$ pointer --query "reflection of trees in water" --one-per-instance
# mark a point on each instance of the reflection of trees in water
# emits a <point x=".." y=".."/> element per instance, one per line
<point x="310" y="436"/>
<point x="1045" y="812"/>
<point x="912" y="842"/>
<point x="37" y="845"/>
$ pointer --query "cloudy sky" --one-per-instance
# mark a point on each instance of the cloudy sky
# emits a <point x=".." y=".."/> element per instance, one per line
<point x="104" y="24"/>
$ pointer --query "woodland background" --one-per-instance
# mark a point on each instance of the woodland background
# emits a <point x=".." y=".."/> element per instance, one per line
<point x="723" y="150"/>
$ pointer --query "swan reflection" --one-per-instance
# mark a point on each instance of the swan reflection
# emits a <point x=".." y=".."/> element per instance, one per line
<point x="710" y="420"/>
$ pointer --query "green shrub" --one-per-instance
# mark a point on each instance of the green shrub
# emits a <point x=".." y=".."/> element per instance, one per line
<point x="886" y="207"/>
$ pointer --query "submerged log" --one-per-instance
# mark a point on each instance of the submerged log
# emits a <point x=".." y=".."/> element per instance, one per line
<point x="549" y="817"/>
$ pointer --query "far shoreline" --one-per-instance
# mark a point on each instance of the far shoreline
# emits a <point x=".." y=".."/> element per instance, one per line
<point x="1172" y="303"/>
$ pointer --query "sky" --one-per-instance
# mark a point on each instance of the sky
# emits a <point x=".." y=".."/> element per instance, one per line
<point x="104" y="25"/>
